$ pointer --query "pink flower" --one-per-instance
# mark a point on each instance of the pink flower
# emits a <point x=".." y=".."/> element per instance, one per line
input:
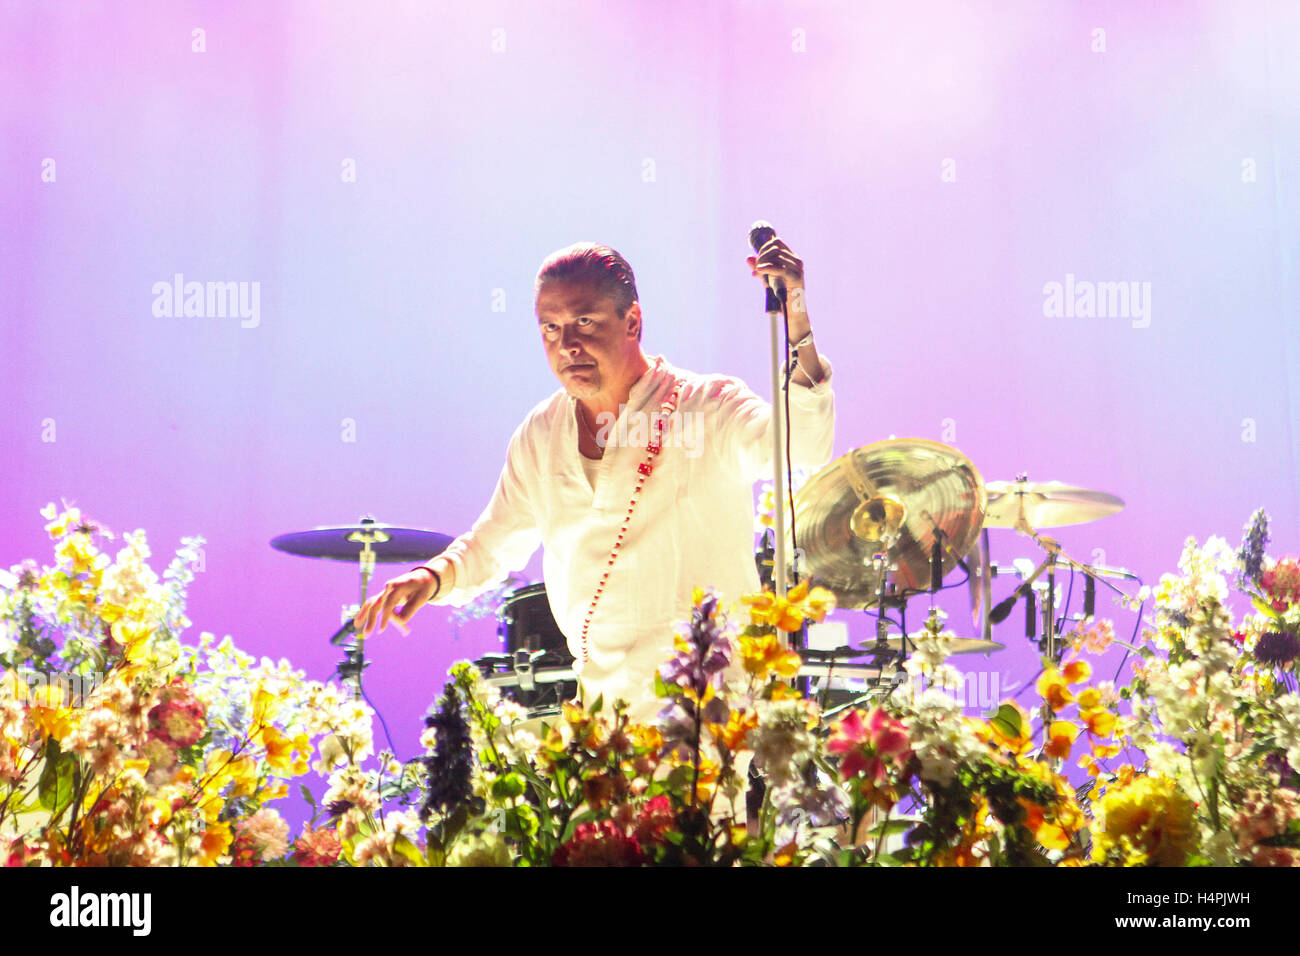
<point x="599" y="844"/>
<point x="265" y="834"/>
<point x="317" y="848"/>
<point x="178" y="718"/>
<point x="1281" y="583"/>
<point x="654" y="821"/>
<point x="869" y="747"/>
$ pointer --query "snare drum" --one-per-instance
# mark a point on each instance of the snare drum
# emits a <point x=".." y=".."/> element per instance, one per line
<point x="527" y="624"/>
<point x="535" y="668"/>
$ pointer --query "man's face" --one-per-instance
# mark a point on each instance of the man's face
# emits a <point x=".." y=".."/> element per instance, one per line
<point x="590" y="347"/>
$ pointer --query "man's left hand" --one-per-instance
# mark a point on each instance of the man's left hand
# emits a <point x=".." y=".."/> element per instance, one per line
<point x="776" y="259"/>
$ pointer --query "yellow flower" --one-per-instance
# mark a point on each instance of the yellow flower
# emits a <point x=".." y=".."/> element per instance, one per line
<point x="732" y="734"/>
<point x="785" y="692"/>
<point x="646" y="737"/>
<point x="1148" y="821"/>
<point x="1101" y="723"/>
<point x="789" y="613"/>
<point x="134" y="638"/>
<point x="1089" y="699"/>
<point x="763" y="653"/>
<point x="279" y="748"/>
<point x="1076" y="672"/>
<point x="1052" y="688"/>
<point x="47" y="713"/>
<point x="265" y="706"/>
<point x="1060" y="738"/>
<point x="216" y="840"/>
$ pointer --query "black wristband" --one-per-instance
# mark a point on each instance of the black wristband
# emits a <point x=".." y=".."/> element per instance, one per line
<point x="436" y="576"/>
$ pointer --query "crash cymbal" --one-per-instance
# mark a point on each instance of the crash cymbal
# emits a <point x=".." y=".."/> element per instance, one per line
<point x="389" y="543"/>
<point x="895" y="497"/>
<point x="1046" y="504"/>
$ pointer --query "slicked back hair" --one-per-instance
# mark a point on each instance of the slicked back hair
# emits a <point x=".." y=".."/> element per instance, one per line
<point x="596" y="264"/>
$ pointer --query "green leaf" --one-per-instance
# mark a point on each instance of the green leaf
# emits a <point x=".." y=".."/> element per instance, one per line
<point x="306" y="795"/>
<point x="1264" y="607"/>
<point x="508" y="787"/>
<point x="1007" y="721"/>
<point x="526" y="818"/>
<point x="55" y="788"/>
<point x="888" y="828"/>
<point x="404" y="848"/>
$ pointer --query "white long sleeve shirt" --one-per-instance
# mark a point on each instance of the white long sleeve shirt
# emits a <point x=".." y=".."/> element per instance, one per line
<point x="693" y="524"/>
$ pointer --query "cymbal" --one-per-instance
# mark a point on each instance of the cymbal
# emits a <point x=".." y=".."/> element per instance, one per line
<point x="894" y="497"/>
<point x="1047" y="504"/>
<point x="389" y="543"/>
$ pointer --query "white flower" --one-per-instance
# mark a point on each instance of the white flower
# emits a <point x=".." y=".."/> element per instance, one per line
<point x="781" y="742"/>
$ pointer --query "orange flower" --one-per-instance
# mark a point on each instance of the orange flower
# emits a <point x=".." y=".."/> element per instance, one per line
<point x="1061" y="736"/>
<point x="789" y="613"/>
<point x="1052" y="688"/>
<point x="763" y="653"/>
<point x="216" y="840"/>
<point x="1076" y="672"/>
<point x="1101" y="723"/>
<point x="732" y="734"/>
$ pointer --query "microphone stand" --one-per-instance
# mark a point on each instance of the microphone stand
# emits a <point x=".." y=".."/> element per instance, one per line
<point x="776" y="322"/>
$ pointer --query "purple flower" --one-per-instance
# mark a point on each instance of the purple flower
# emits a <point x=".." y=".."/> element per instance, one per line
<point x="450" y="764"/>
<point x="707" y="653"/>
<point x="1253" y="544"/>
<point x="1277" y="649"/>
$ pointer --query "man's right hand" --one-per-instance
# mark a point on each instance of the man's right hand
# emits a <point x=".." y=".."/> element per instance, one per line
<point x="412" y="591"/>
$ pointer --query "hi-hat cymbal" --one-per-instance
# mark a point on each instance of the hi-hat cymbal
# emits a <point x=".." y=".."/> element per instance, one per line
<point x="895" y="497"/>
<point x="389" y="543"/>
<point x="1046" y="504"/>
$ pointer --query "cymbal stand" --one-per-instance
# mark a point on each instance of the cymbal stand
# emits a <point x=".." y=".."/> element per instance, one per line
<point x="1047" y="643"/>
<point x="354" y="653"/>
<point x="880" y="650"/>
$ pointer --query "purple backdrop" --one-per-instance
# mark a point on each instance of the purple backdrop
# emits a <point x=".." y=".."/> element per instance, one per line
<point x="391" y="176"/>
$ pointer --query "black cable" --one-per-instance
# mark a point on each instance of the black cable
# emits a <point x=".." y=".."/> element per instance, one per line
<point x="1069" y="593"/>
<point x="1132" y="640"/>
<point x="382" y="723"/>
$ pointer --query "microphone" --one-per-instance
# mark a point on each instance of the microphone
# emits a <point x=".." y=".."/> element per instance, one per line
<point x="1089" y="596"/>
<point x="760" y="234"/>
<point x="339" y="636"/>
<point x="1003" y="610"/>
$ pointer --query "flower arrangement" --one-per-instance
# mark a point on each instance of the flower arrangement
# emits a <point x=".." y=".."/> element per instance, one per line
<point x="1207" y="728"/>
<point x="122" y="745"/>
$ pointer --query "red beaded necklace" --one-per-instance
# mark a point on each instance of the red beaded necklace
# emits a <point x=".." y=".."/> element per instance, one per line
<point x="668" y="407"/>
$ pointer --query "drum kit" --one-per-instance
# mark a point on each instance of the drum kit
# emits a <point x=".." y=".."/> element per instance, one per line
<point x="879" y="526"/>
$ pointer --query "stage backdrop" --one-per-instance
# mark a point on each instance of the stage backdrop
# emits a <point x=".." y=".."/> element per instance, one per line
<point x="1061" y="237"/>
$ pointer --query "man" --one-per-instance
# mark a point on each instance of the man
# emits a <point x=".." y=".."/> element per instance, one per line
<point x="628" y="532"/>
